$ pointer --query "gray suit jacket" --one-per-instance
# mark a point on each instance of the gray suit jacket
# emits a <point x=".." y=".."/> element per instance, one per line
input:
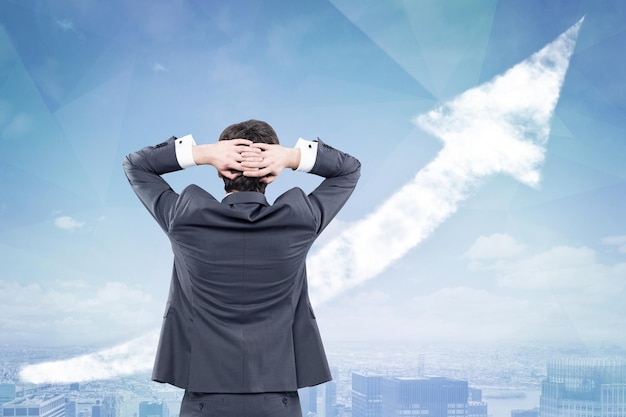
<point x="238" y="318"/>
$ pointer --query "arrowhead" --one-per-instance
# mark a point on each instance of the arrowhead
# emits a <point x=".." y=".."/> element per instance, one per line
<point x="509" y="116"/>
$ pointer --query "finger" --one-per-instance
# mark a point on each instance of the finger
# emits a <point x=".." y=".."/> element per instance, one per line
<point x="231" y="174"/>
<point x="239" y="142"/>
<point x="248" y="149"/>
<point x="251" y="156"/>
<point x="256" y="173"/>
<point x="239" y="158"/>
<point x="251" y="164"/>
<point x="262" y="146"/>
<point x="243" y="156"/>
<point x="261" y="172"/>
<point x="249" y="168"/>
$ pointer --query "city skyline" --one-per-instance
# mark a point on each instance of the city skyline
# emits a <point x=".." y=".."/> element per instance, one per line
<point x="499" y="379"/>
<point x="83" y="84"/>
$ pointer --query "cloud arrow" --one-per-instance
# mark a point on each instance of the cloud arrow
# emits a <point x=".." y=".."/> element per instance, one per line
<point x="501" y="126"/>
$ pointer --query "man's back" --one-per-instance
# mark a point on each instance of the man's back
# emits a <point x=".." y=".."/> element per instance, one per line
<point x="238" y="318"/>
<point x="242" y="263"/>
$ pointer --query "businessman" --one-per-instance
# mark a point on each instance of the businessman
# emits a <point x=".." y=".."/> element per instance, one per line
<point x="239" y="334"/>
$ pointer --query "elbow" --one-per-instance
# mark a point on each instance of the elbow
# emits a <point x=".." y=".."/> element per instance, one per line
<point x="126" y="163"/>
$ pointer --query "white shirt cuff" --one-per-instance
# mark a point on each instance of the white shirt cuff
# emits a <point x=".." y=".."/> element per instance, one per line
<point x="184" y="153"/>
<point x="308" y="154"/>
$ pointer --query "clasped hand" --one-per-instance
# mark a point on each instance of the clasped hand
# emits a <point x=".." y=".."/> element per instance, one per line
<point x="236" y="157"/>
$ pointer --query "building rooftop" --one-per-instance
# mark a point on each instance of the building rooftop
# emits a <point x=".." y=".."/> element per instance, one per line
<point x="32" y="400"/>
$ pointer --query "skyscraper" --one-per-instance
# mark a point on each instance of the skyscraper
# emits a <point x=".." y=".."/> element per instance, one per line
<point x="96" y="409"/>
<point x="432" y="397"/>
<point x="478" y="409"/>
<point x="35" y="405"/>
<point x="330" y="393"/>
<point x="71" y="408"/>
<point x="525" y="413"/>
<point x="7" y="393"/>
<point x="153" y="409"/>
<point x="475" y="405"/>
<point x="330" y="398"/>
<point x="308" y="401"/>
<point x="367" y="399"/>
<point x="111" y="405"/>
<point x="584" y="387"/>
<point x="475" y="395"/>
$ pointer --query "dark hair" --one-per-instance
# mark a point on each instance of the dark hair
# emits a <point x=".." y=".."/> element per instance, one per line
<point x="256" y="131"/>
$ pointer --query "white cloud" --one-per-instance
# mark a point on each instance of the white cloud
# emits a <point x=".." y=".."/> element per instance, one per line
<point x="561" y="294"/>
<point x="614" y="240"/>
<point x="77" y="309"/>
<point x="476" y="315"/>
<point x="495" y="246"/>
<point x="72" y="284"/>
<point x="569" y="279"/>
<point x="451" y="314"/>
<point x="499" y="127"/>
<point x="66" y="24"/>
<point x="67" y="223"/>
<point x="563" y="270"/>
<point x="157" y="67"/>
<point x="128" y="358"/>
<point x="617" y="241"/>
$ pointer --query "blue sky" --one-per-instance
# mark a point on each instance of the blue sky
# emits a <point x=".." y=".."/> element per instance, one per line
<point x="83" y="83"/>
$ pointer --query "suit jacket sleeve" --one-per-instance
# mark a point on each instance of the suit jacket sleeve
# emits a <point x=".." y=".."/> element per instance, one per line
<point x="144" y="169"/>
<point x="341" y="172"/>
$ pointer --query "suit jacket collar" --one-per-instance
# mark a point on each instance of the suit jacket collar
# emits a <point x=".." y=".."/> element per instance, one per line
<point x="240" y="197"/>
